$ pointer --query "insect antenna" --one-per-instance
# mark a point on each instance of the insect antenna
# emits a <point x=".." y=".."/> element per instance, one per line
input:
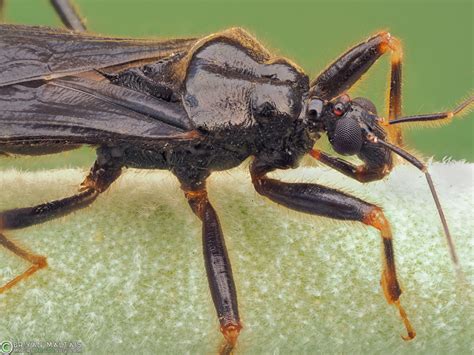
<point x="417" y="163"/>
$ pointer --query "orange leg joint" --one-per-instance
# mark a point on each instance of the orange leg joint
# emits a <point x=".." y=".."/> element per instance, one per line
<point x="389" y="282"/>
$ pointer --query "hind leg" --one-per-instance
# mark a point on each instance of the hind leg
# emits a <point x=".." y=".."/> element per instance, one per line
<point x="69" y="15"/>
<point x="98" y="180"/>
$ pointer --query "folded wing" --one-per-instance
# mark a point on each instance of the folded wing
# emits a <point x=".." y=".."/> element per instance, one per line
<point x="84" y="111"/>
<point x="31" y="53"/>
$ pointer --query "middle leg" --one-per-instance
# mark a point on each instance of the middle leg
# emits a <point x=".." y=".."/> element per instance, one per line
<point x="322" y="201"/>
<point x="218" y="268"/>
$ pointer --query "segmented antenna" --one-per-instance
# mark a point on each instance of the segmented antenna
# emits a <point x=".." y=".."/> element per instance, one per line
<point x="417" y="163"/>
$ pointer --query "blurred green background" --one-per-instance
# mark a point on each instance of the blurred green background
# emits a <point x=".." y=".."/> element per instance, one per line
<point x="437" y="38"/>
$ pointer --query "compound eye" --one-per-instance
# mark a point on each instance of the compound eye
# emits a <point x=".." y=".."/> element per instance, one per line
<point x="339" y="109"/>
<point x="347" y="139"/>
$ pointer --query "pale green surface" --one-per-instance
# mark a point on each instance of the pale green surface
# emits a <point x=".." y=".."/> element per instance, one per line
<point x="126" y="275"/>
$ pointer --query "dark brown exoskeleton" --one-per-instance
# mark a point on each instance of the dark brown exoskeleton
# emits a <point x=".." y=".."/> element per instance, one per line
<point x="194" y="106"/>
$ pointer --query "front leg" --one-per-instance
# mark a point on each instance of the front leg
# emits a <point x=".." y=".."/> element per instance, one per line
<point x="361" y="173"/>
<point x="346" y="70"/>
<point x="218" y="268"/>
<point x="322" y="201"/>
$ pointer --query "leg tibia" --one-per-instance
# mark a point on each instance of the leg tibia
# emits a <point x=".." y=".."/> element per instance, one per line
<point x="38" y="261"/>
<point x="389" y="281"/>
<point x="218" y="268"/>
<point x="323" y="201"/>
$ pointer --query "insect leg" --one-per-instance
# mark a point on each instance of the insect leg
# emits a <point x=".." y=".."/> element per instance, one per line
<point x="69" y="15"/>
<point x="445" y="116"/>
<point x="38" y="261"/>
<point x="99" y="179"/>
<point x="349" y="67"/>
<point x="218" y="268"/>
<point x="2" y="10"/>
<point x="395" y="86"/>
<point x="361" y="173"/>
<point x="322" y="201"/>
